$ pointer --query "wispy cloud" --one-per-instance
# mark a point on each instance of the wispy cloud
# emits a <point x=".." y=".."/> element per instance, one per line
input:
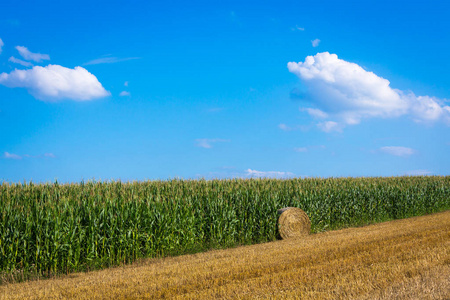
<point x="310" y="148"/>
<point x="285" y="127"/>
<point x="315" y="43"/>
<point x="28" y="55"/>
<point x="297" y="28"/>
<point x="8" y="155"/>
<point x="301" y="149"/>
<point x="345" y="93"/>
<point x="232" y="172"/>
<point x="124" y="94"/>
<point x="397" y="151"/>
<point x="330" y="126"/>
<point x="54" y="82"/>
<point x="273" y="174"/>
<point x="418" y="173"/>
<point x="1" y="45"/>
<point x="20" y="62"/>
<point x="108" y="60"/>
<point x="125" y="83"/>
<point x="314" y="112"/>
<point x="208" y="143"/>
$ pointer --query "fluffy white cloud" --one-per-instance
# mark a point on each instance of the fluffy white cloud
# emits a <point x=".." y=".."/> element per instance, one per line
<point x="315" y="43"/>
<point x="124" y="94"/>
<point x="1" y="45"/>
<point x="28" y="55"/>
<point x="20" y="62"/>
<point x="347" y="93"/>
<point x="12" y="156"/>
<point x="254" y="173"/>
<point x="54" y="82"/>
<point x="208" y="143"/>
<point x="125" y="83"/>
<point x="397" y="151"/>
<point x="425" y="108"/>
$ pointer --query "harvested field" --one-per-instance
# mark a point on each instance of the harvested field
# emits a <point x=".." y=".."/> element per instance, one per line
<point x="401" y="259"/>
<point x="51" y="229"/>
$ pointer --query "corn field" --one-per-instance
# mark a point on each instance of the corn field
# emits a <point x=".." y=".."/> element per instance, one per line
<point x="56" y="228"/>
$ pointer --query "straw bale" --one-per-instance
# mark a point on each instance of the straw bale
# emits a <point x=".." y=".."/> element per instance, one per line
<point x="293" y="222"/>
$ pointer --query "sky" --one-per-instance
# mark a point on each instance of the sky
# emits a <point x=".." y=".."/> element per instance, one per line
<point x="156" y="90"/>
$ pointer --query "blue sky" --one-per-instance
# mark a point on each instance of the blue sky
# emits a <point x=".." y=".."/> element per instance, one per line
<point x="136" y="90"/>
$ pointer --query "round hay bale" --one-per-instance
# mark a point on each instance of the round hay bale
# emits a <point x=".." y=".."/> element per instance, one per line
<point x="293" y="222"/>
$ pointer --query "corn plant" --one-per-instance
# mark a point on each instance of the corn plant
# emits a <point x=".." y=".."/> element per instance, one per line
<point x="60" y="228"/>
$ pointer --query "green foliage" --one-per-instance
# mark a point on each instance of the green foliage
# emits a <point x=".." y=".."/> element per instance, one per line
<point x="52" y="228"/>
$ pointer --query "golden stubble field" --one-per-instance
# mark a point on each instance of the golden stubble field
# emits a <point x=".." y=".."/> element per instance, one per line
<point x="402" y="259"/>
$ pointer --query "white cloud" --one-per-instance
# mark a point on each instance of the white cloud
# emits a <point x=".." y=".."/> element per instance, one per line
<point x="397" y="151"/>
<point x="1" y="45"/>
<point x="347" y="93"/>
<point x="254" y="173"/>
<point x="12" y="156"/>
<point x="17" y="157"/>
<point x="108" y="60"/>
<point x="316" y="113"/>
<point x="124" y="94"/>
<point x="208" y="143"/>
<point x="125" y="83"/>
<point x="285" y="127"/>
<point x="54" y="82"/>
<point x="329" y="126"/>
<point x="28" y="55"/>
<point x="298" y="28"/>
<point x="315" y="43"/>
<point x="426" y="109"/>
<point x="20" y="62"/>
